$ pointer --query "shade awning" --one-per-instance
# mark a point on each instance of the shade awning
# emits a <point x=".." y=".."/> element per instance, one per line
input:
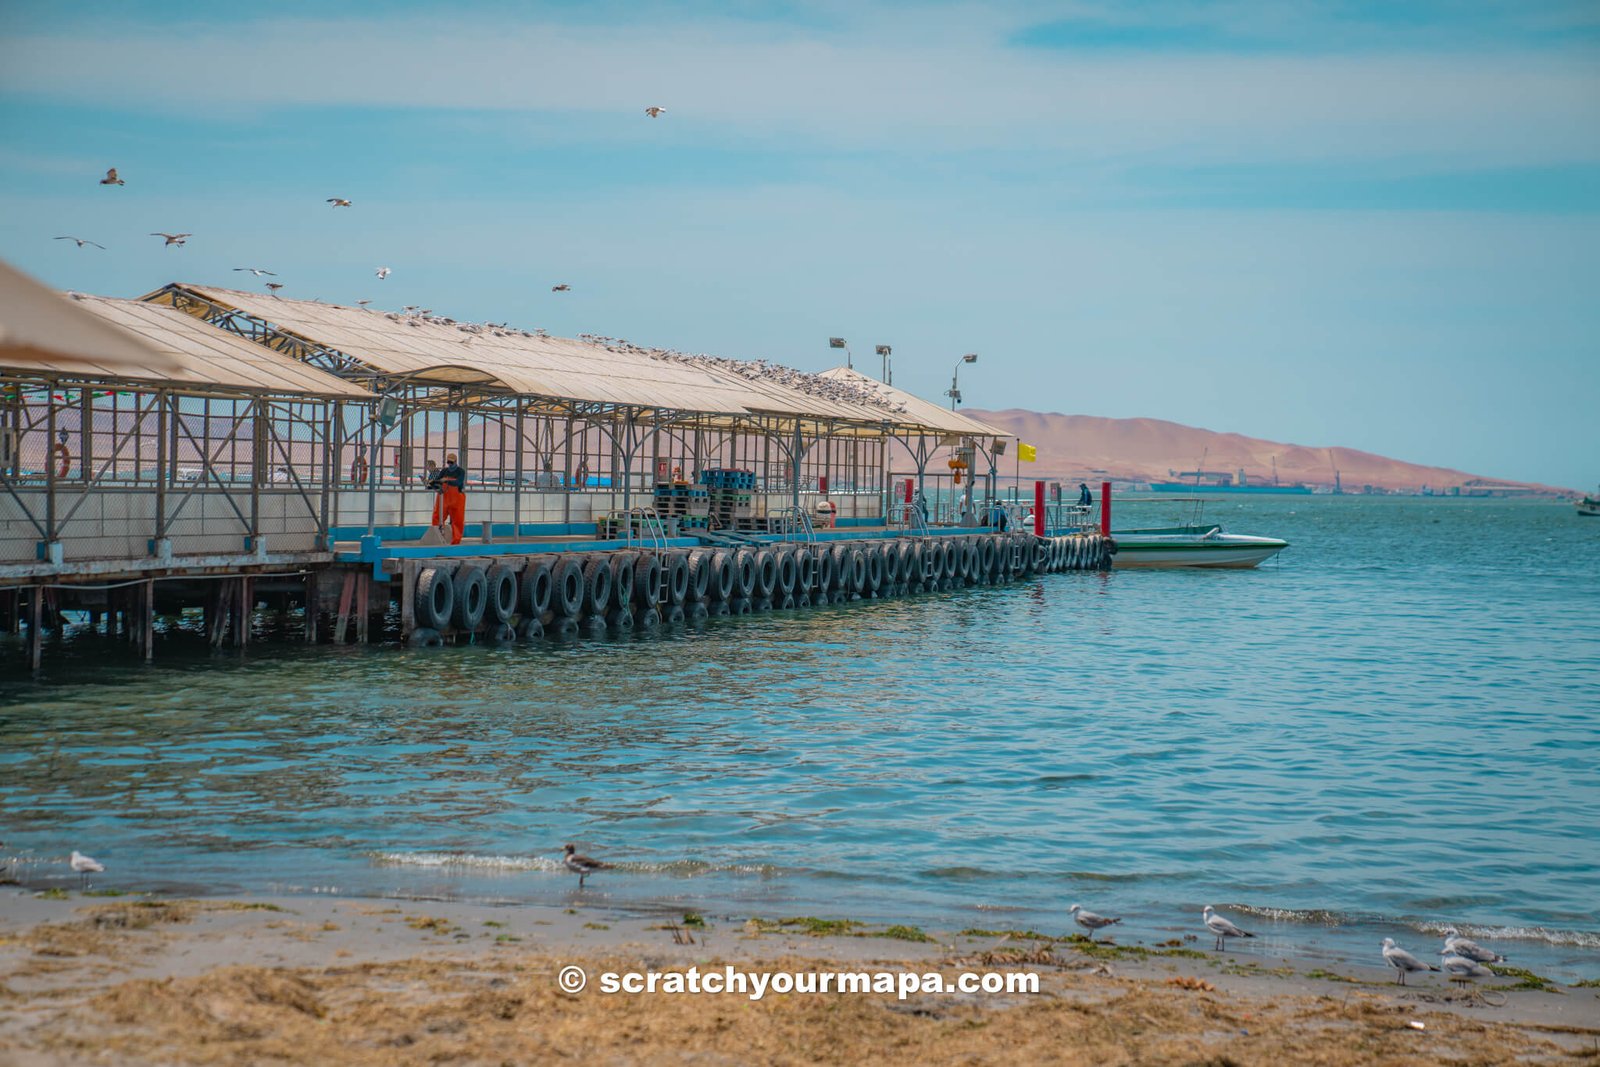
<point x="41" y="330"/>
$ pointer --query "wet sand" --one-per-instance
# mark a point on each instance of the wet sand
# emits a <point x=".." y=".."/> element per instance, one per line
<point x="144" y="980"/>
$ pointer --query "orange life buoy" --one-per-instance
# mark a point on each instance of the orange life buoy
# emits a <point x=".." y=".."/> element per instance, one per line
<point x="64" y="455"/>
<point x="358" y="469"/>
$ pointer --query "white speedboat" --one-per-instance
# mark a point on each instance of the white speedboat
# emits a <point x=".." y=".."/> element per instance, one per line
<point x="1192" y="546"/>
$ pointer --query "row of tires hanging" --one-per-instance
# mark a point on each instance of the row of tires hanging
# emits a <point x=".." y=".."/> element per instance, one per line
<point x="572" y="594"/>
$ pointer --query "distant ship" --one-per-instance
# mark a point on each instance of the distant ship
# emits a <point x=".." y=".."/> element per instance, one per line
<point x="1224" y="482"/>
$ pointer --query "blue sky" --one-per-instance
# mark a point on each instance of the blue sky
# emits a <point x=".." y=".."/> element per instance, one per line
<point x="1364" y="224"/>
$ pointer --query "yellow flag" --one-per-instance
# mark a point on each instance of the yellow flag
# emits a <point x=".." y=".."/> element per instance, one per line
<point x="1027" y="453"/>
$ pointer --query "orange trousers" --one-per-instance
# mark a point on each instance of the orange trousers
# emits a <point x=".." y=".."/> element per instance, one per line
<point x="451" y="506"/>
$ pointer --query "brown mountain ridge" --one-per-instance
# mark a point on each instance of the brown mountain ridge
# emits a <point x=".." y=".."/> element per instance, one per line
<point x="1090" y="447"/>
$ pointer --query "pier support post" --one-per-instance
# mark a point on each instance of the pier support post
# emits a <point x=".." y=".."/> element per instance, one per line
<point x="1038" y="509"/>
<point x="1105" y="509"/>
<point x="35" y="632"/>
<point x="342" y="623"/>
<point x="313" y="606"/>
<point x="364" y="600"/>
<point x="147" y="620"/>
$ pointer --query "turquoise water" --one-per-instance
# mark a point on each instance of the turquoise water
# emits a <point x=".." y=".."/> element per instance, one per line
<point x="1393" y="729"/>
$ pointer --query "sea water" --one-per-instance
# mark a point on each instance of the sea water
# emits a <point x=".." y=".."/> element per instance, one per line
<point x="1392" y="728"/>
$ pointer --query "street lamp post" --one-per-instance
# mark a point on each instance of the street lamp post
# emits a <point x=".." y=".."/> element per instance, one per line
<point x="838" y="342"/>
<point x="888" y="369"/>
<point x="954" y="392"/>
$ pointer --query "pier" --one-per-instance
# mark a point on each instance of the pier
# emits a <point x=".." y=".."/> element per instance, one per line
<point x="280" y="458"/>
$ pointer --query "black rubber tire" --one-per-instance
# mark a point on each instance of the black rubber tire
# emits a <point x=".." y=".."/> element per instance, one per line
<point x="802" y="600"/>
<point x="622" y="578"/>
<point x="696" y="612"/>
<point x="805" y="570"/>
<point x="952" y="561"/>
<point x="891" y="562"/>
<point x="677" y="566"/>
<point x="858" y="570"/>
<point x="722" y="577"/>
<point x="744" y="572"/>
<point x="825" y="572"/>
<point x="740" y="606"/>
<point x="501" y="633"/>
<point x="424" y="637"/>
<point x="968" y="565"/>
<point x="530" y="629"/>
<point x="907" y="566"/>
<point x="873" y="558"/>
<point x="562" y="628"/>
<point x="472" y="597"/>
<point x="766" y="574"/>
<point x="699" y="577"/>
<point x="533" y="593"/>
<point x="839" y="596"/>
<point x="434" y="600"/>
<point x="788" y="572"/>
<point x="721" y="607"/>
<point x="648" y="618"/>
<point x="841" y="565"/>
<point x="593" y="626"/>
<point x="502" y="582"/>
<point x="783" y="602"/>
<point x="596" y="585"/>
<point x="567" y="587"/>
<point x="619" y="620"/>
<point x="647" y="580"/>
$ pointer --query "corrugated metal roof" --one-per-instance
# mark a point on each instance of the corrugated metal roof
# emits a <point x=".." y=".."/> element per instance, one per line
<point x="534" y="365"/>
<point x="917" y="410"/>
<point x="203" y="355"/>
<point x="42" y="331"/>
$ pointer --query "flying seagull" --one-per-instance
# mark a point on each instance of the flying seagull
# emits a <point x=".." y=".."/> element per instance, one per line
<point x="655" y="112"/>
<point x="82" y="242"/>
<point x="173" y="238"/>
<point x="1402" y="961"/>
<point x="363" y="303"/>
<point x="257" y="271"/>
<point x="85" y="866"/>
<point x="583" y="865"/>
<point x="1221" y="927"/>
<point x="562" y="288"/>
<point x="1089" y="920"/>
<point x="382" y="272"/>
<point x="111" y="178"/>
<point x="338" y="201"/>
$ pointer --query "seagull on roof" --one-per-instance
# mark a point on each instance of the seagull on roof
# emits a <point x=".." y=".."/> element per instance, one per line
<point x="655" y="112"/>
<point x="338" y="201"/>
<point x="111" y="178"/>
<point x="274" y="286"/>
<point x="257" y="271"/>
<point x="362" y="303"/>
<point x="382" y="272"/>
<point x="562" y="288"/>
<point x="173" y="238"/>
<point x="82" y="242"/>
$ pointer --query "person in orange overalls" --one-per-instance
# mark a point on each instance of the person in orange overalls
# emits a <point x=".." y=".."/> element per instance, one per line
<point x="451" y="506"/>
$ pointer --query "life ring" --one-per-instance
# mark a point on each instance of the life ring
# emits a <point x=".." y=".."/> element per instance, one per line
<point x="64" y="456"/>
<point x="358" y="469"/>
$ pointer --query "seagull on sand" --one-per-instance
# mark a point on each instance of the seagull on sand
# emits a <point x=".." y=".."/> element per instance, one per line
<point x="81" y="242"/>
<point x="583" y="865"/>
<point x="562" y="288"/>
<point x="1089" y="920"/>
<point x="382" y="273"/>
<point x="173" y="238"/>
<point x="1456" y="945"/>
<point x="1221" y="927"/>
<point x="1462" y="970"/>
<point x="1402" y="961"/>
<point x="257" y="271"/>
<point x="111" y="178"/>
<point x="338" y="201"/>
<point x="85" y="866"/>
<point x="655" y="112"/>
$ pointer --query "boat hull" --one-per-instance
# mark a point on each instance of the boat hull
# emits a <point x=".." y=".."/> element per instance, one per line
<point x="1221" y="551"/>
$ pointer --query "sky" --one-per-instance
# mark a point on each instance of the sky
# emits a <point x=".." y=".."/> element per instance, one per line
<point x="1367" y="224"/>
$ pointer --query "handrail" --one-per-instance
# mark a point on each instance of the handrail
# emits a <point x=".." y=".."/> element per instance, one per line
<point x="910" y="518"/>
<point x="793" y="520"/>
<point x="650" y="523"/>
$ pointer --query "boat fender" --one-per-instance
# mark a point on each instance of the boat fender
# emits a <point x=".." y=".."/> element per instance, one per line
<point x="424" y="637"/>
<point x="597" y="585"/>
<point x="858" y="570"/>
<point x="647" y="580"/>
<point x="533" y="598"/>
<point x="826" y="569"/>
<point x="788" y="571"/>
<point x="700" y="574"/>
<point x="744" y="573"/>
<point x="472" y="597"/>
<point x="622" y="577"/>
<point x="722" y="577"/>
<point x="765" y="572"/>
<point x="805" y="570"/>
<point x="434" y="600"/>
<point x="677" y="565"/>
<point x="873" y="578"/>
<point x="502" y="592"/>
<point x="567" y="588"/>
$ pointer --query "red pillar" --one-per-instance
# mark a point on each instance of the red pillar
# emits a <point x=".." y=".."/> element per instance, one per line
<point x="909" y="483"/>
<point x="1038" y="509"/>
<point x="1105" y="508"/>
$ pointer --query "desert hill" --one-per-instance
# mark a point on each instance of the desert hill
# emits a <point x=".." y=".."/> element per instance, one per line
<point x="1088" y="447"/>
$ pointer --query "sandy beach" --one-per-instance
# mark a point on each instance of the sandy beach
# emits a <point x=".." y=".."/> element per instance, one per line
<point x="147" y="980"/>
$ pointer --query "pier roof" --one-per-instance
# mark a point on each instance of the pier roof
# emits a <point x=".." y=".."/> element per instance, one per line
<point x="42" y="331"/>
<point x="920" y="411"/>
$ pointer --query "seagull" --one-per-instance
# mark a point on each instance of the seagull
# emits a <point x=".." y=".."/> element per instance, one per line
<point x="1089" y="920"/>
<point x="655" y="112"/>
<point x="111" y="178"/>
<point x="583" y="865"/>
<point x="382" y="272"/>
<point x="85" y="866"/>
<point x="362" y="303"/>
<point x="562" y="288"/>
<point x="257" y="271"/>
<point x="82" y="242"/>
<point x="1402" y="961"/>
<point x="173" y="238"/>
<point x="338" y="201"/>
<point x="1456" y="945"/>
<point x="274" y="286"/>
<point x="1460" y="969"/>
<point x="1221" y="927"/>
